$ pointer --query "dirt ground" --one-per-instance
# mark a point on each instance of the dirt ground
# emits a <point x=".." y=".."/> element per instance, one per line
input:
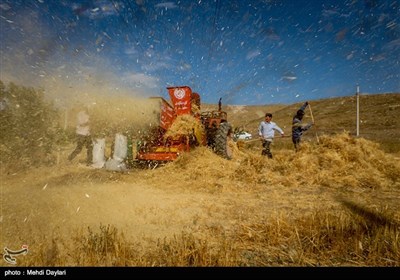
<point x="68" y="197"/>
<point x="201" y="191"/>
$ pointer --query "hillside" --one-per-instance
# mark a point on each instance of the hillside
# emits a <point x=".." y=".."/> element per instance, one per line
<point x="379" y="117"/>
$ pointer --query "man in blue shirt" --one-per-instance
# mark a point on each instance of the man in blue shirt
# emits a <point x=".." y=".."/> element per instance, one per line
<point x="266" y="131"/>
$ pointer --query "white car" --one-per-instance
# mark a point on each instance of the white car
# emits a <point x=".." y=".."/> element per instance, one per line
<point x="243" y="136"/>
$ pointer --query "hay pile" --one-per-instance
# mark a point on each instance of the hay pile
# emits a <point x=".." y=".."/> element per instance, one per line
<point x="184" y="125"/>
<point x="195" y="109"/>
<point x="339" y="161"/>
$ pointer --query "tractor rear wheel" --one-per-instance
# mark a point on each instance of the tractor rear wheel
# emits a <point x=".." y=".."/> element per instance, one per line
<point x="221" y="140"/>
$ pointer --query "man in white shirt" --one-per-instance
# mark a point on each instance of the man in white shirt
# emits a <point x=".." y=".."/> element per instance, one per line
<point x="266" y="131"/>
<point x="83" y="137"/>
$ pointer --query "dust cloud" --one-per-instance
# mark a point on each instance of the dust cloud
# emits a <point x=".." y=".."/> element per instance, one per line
<point x="72" y="76"/>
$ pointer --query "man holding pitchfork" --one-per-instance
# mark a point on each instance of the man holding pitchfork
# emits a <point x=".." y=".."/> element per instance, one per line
<point x="298" y="128"/>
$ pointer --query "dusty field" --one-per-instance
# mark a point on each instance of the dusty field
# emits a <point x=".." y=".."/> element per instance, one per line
<point x="199" y="193"/>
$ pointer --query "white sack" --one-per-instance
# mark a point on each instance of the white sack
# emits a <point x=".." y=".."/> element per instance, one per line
<point x="99" y="146"/>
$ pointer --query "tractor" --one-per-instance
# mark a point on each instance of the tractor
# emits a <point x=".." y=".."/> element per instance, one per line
<point x="182" y="127"/>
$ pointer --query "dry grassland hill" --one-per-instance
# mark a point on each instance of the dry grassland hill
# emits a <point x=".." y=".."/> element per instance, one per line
<point x="378" y="114"/>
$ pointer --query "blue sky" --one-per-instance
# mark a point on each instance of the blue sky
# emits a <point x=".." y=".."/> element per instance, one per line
<point x="247" y="52"/>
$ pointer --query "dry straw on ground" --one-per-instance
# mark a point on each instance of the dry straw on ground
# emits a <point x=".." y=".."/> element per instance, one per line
<point x="334" y="203"/>
<point x="339" y="161"/>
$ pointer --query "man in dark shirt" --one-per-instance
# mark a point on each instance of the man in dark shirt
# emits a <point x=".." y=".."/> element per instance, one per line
<point x="298" y="128"/>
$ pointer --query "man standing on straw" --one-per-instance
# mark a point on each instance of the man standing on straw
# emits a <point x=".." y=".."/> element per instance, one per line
<point x="266" y="131"/>
<point x="298" y="128"/>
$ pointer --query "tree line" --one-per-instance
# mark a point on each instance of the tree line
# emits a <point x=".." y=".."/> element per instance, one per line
<point x="30" y="127"/>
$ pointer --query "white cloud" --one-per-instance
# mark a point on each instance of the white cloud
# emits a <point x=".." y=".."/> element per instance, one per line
<point x="252" y="54"/>
<point x="140" y="80"/>
<point x="167" y="5"/>
<point x="155" y="66"/>
<point x="130" y="51"/>
<point x="102" y="9"/>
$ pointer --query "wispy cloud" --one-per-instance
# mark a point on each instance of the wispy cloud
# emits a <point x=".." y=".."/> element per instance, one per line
<point x="155" y="66"/>
<point x="140" y="80"/>
<point x="167" y="5"/>
<point x="131" y="51"/>
<point x="99" y="9"/>
<point x="252" y="54"/>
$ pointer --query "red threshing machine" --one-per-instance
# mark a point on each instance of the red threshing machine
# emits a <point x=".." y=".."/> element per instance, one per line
<point x="211" y="129"/>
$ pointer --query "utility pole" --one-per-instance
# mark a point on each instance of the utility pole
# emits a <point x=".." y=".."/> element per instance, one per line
<point x="65" y="119"/>
<point x="358" y="110"/>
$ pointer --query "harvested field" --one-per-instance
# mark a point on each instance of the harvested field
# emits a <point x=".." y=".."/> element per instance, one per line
<point x="330" y="204"/>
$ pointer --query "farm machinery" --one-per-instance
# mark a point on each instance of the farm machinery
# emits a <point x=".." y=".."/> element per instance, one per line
<point x="183" y="126"/>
